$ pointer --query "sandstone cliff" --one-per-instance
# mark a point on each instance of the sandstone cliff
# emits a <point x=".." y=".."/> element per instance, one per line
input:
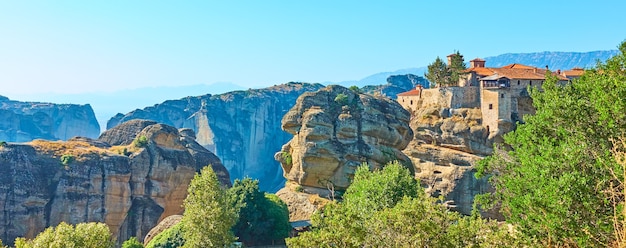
<point x="26" y="121"/>
<point x="128" y="185"/>
<point x="242" y="127"/>
<point x="334" y="131"/>
<point x="447" y="144"/>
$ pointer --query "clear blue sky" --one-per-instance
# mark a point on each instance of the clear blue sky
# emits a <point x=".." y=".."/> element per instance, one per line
<point x="90" y="46"/>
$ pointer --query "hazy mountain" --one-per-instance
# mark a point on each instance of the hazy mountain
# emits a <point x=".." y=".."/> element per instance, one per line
<point x="554" y="60"/>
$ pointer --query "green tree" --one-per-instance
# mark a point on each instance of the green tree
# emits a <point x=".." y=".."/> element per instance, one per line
<point x="553" y="184"/>
<point x="456" y="68"/>
<point x="88" y="235"/>
<point x="442" y="75"/>
<point x="168" y="238"/>
<point x="209" y="215"/>
<point x="263" y="218"/>
<point x="437" y="73"/>
<point x="132" y="243"/>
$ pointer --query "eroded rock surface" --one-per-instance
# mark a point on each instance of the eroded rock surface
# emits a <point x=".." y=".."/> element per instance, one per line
<point x="128" y="185"/>
<point x="446" y="146"/>
<point x="335" y="130"/>
<point x="242" y="127"/>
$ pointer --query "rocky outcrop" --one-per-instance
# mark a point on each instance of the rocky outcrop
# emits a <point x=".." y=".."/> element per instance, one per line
<point x="397" y="84"/>
<point x="130" y="184"/>
<point x="446" y="146"/>
<point x="26" y="121"/>
<point x="240" y="127"/>
<point x="335" y="130"/>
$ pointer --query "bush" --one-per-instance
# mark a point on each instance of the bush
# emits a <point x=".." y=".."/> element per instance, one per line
<point x="286" y="157"/>
<point x="141" y="141"/>
<point x="132" y="243"/>
<point x="67" y="159"/>
<point x="168" y="238"/>
<point x="3" y="144"/>
<point x="355" y="89"/>
<point x="341" y="99"/>
<point x="86" y="235"/>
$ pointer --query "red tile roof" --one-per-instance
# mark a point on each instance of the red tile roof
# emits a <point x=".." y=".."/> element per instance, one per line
<point x="413" y="92"/>
<point x="514" y="71"/>
<point x="517" y="66"/>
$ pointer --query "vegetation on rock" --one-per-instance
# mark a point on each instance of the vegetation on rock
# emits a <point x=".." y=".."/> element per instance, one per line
<point x="442" y="75"/>
<point x="169" y="238"/>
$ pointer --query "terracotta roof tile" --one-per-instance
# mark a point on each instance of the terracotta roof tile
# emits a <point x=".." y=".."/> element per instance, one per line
<point x="517" y="66"/>
<point x="413" y="92"/>
<point x="574" y="72"/>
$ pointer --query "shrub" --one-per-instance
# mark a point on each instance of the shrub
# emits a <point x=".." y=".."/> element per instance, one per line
<point x="141" y="141"/>
<point x="341" y="99"/>
<point x="67" y="159"/>
<point x="286" y="157"/>
<point x="132" y="243"/>
<point x="87" y="235"/>
<point x="355" y="89"/>
<point x="168" y="238"/>
<point x="3" y="143"/>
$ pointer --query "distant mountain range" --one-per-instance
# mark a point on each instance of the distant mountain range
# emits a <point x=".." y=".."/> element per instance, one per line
<point x="554" y="60"/>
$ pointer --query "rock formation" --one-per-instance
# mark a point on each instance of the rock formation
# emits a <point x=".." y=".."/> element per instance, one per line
<point x="128" y="183"/>
<point x="446" y="146"/>
<point x="397" y="84"/>
<point x="242" y="127"/>
<point x="26" y="121"/>
<point x="334" y="131"/>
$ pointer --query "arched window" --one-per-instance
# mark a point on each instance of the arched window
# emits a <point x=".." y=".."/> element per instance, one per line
<point x="518" y="83"/>
<point x="411" y="102"/>
<point x="531" y="82"/>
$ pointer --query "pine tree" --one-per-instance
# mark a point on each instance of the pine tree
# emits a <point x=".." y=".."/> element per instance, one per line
<point x="437" y="73"/>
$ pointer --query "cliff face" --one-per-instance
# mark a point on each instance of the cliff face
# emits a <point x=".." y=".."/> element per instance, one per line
<point x="447" y="144"/>
<point x="26" y="121"/>
<point x="334" y="131"/>
<point x="240" y="127"/>
<point x="130" y="187"/>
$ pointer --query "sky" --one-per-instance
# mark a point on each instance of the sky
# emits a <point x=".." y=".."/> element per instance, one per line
<point x="77" y="46"/>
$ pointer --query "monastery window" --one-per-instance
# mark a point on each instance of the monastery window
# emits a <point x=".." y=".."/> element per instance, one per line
<point x="518" y="83"/>
<point x="502" y="95"/>
<point x="411" y="102"/>
<point x="490" y="106"/>
<point x="531" y="82"/>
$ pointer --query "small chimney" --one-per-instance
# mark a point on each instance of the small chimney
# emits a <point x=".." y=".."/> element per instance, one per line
<point x="546" y="67"/>
<point x="558" y="71"/>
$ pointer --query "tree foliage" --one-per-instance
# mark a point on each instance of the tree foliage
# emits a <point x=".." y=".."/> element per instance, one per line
<point x="388" y="208"/>
<point x="209" y="215"/>
<point x="132" y="243"/>
<point x="87" y="235"/>
<point x="168" y="238"/>
<point x="263" y="218"/>
<point x="553" y="185"/>
<point x="437" y="73"/>
<point x="440" y="74"/>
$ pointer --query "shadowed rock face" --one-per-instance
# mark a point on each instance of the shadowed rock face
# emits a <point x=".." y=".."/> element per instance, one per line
<point x="242" y="127"/>
<point x="26" y="121"/>
<point x="129" y="187"/>
<point x="335" y="130"/>
<point x="446" y="147"/>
